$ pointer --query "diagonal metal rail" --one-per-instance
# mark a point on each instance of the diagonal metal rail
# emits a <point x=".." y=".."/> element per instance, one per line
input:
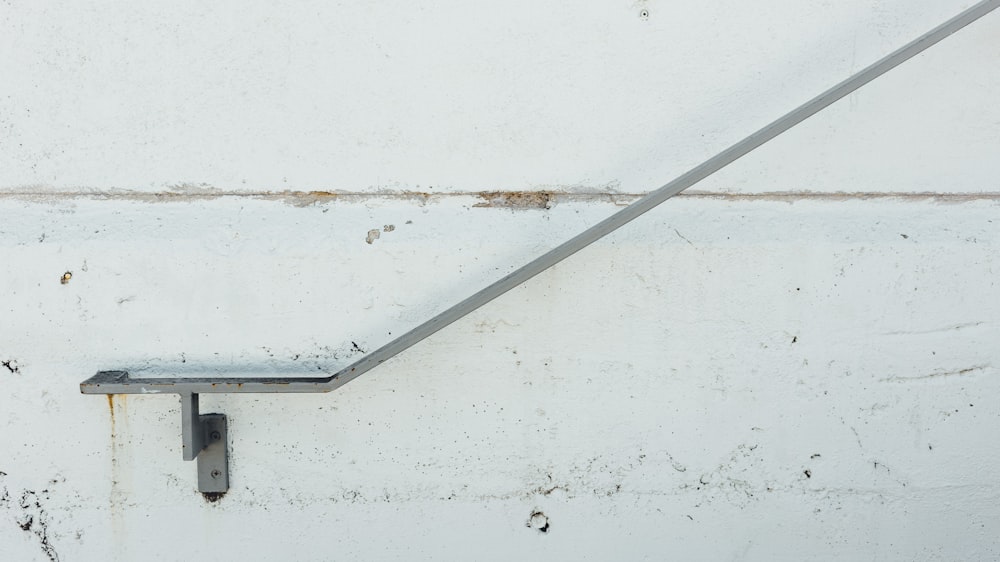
<point x="119" y="382"/>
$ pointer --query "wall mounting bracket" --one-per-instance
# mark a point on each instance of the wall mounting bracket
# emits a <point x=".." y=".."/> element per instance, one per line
<point x="199" y="431"/>
<point x="205" y="437"/>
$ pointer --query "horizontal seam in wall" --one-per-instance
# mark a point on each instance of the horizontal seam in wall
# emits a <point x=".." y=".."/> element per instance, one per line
<point x="487" y="198"/>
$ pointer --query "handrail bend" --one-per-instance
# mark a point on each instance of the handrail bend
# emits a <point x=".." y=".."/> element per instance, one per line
<point x="119" y="382"/>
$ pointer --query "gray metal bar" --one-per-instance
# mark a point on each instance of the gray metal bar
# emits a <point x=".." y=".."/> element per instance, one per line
<point x="192" y="430"/>
<point x="118" y="382"/>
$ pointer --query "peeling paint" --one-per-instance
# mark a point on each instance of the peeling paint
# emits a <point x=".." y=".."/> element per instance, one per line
<point x="31" y="515"/>
<point x="516" y="199"/>
<point x="538" y="521"/>
<point x="212" y="497"/>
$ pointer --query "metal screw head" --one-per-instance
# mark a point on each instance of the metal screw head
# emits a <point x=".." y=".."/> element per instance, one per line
<point x="216" y="473"/>
<point x="215" y="435"/>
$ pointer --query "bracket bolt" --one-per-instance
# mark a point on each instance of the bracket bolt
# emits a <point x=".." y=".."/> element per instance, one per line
<point x="215" y="435"/>
<point x="216" y="473"/>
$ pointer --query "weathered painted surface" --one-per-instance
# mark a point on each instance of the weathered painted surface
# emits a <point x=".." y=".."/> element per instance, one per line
<point x="801" y="364"/>
<point x="723" y="377"/>
<point x="257" y="95"/>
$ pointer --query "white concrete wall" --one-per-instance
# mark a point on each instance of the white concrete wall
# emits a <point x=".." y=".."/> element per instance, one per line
<point x="797" y="361"/>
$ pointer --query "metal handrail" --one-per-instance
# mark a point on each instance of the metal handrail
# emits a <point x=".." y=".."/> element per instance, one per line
<point x="119" y="382"/>
<point x="205" y="437"/>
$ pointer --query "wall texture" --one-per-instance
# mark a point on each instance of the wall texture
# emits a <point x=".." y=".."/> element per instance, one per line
<point x="796" y="360"/>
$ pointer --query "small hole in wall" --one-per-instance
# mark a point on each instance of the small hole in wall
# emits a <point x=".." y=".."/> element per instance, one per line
<point x="644" y="14"/>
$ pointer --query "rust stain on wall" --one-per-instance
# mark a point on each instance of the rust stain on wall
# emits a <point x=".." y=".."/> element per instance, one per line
<point x="116" y="498"/>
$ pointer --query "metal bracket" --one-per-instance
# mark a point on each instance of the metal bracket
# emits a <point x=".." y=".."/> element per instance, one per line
<point x="205" y="437"/>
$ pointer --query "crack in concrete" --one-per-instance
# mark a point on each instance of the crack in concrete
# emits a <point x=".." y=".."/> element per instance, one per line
<point x="940" y="374"/>
<point x="953" y="327"/>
